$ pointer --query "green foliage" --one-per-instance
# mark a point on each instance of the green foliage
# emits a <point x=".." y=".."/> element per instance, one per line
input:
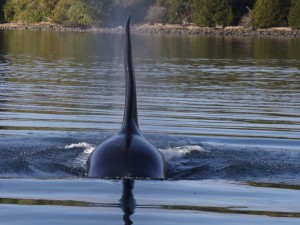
<point x="212" y="12"/>
<point x="271" y="13"/>
<point x="294" y="14"/>
<point x="67" y="12"/>
<point x="266" y="13"/>
<point x="30" y="11"/>
<point x="72" y="13"/>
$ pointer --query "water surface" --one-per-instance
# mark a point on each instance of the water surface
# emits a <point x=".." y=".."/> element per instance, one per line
<point x="143" y="202"/>
<point x="217" y="107"/>
<point x="223" y="111"/>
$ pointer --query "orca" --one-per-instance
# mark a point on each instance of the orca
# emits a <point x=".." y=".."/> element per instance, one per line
<point x="127" y="153"/>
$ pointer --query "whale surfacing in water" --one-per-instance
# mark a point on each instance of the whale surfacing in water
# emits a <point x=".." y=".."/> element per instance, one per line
<point x="127" y="153"/>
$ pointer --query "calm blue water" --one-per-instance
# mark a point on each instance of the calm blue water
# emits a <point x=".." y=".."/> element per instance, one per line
<point x="216" y="107"/>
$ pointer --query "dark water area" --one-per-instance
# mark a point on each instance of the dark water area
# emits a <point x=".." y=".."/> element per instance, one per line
<point x="217" y="107"/>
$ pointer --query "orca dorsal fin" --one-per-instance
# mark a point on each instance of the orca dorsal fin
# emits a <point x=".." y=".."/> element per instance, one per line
<point x="130" y="120"/>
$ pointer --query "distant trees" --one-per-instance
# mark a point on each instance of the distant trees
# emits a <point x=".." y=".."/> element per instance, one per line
<point x="74" y="12"/>
<point x="212" y="12"/>
<point x="33" y="11"/>
<point x="259" y="13"/>
<point x="67" y="12"/>
<point x="294" y="14"/>
<point x="178" y="10"/>
<point x="28" y="10"/>
<point x="271" y="13"/>
<point x="78" y="12"/>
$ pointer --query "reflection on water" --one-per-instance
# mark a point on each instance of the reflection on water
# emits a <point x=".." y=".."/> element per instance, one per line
<point x="203" y="86"/>
<point x="96" y="200"/>
<point x="127" y="200"/>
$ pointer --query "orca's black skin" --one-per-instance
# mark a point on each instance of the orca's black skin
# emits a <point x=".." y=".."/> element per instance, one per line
<point x="127" y="153"/>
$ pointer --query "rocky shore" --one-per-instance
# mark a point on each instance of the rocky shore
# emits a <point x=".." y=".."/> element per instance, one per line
<point x="164" y="30"/>
<point x="227" y="31"/>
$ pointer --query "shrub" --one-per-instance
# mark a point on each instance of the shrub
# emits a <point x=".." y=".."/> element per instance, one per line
<point x="212" y="12"/>
<point x="270" y="13"/>
<point x="67" y="12"/>
<point x="294" y="14"/>
<point x="30" y="11"/>
<point x="156" y="14"/>
<point x="178" y="10"/>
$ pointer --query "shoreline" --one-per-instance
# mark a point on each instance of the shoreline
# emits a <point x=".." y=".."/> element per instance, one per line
<point x="168" y="29"/>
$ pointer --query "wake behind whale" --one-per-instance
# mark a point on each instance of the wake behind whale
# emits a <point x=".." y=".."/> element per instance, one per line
<point x="127" y="153"/>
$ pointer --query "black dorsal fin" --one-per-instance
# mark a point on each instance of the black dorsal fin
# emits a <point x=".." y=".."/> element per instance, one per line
<point x="130" y="120"/>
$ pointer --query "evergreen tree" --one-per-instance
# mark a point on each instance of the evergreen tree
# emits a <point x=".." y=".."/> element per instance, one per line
<point x="271" y="13"/>
<point x="178" y="10"/>
<point x="294" y="14"/>
<point x="212" y="12"/>
<point x="202" y="14"/>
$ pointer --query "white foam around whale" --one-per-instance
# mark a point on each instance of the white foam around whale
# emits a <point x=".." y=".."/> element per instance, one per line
<point x="170" y="153"/>
<point x="87" y="150"/>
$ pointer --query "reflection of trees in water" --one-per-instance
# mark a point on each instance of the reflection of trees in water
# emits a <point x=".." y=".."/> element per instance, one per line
<point x="1" y="44"/>
<point x="218" y="47"/>
<point x="87" y="47"/>
<point x="127" y="200"/>
<point x="3" y="60"/>
<point x="226" y="61"/>
<point x="2" y="81"/>
<point x="67" y="58"/>
<point x="80" y="68"/>
<point x="3" y="67"/>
